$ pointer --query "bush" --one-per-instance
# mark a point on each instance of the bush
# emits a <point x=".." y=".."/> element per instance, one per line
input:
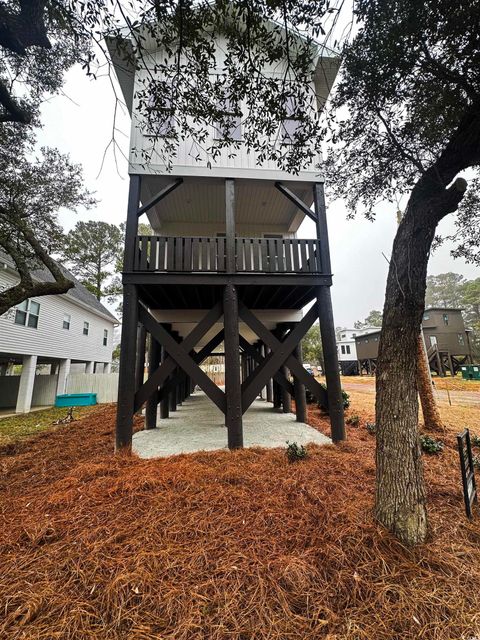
<point x="476" y="462"/>
<point x="353" y="421"/>
<point x="371" y="427"/>
<point x="345" y="397"/>
<point x="430" y="445"/>
<point x="475" y="440"/>
<point x="295" y="452"/>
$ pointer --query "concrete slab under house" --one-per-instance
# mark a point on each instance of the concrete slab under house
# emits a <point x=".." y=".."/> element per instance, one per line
<point x="198" y="425"/>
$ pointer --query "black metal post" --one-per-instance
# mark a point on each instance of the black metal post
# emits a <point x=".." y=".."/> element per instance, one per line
<point x="299" y="388"/>
<point x="152" y="402"/>
<point x="327" y="325"/>
<point x="233" y="413"/>
<point x="164" y="402"/>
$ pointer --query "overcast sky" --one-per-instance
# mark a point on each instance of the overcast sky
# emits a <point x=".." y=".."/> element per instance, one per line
<point x="80" y="123"/>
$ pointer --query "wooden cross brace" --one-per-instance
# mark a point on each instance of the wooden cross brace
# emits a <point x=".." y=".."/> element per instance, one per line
<point x="179" y="354"/>
<point x="199" y="357"/>
<point x="281" y="353"/>
<point x="256" y="355"/>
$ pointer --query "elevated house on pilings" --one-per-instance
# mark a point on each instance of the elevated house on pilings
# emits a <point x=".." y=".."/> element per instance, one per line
<point x="447" y="343"/>
<point x="224" y="265"/>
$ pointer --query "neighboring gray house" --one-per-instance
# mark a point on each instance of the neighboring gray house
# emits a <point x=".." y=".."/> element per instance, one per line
<point x="57" y="330"/>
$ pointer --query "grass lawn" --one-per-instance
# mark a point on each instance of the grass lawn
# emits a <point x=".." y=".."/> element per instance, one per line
<point x="26" y="425"/>
<point x="228" y="545"/>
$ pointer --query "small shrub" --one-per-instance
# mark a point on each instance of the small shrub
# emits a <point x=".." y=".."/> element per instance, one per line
<point x="345" y="397"/>
<point x="371" y="427"/>
<point x="476" y="462"/>
<point x="353" y="421"/>
<point x="475" y="440"/>
<point x="295" y="452"/>
<point x="430" y="445"/>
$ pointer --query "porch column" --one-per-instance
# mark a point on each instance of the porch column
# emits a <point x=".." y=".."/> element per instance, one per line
<point x="152" y="402"/>
<point x="269" y="387"/>
<point x="27" y="380"/>
<point x="140" y="357"/>
<point x="63" y="371"/>
<point x="165" y="401"/>
<point x="126" y="378"/>
<point x="90" y="367"/>
<point x="299" y="390"/>
<point x="233" y="415"/>
<point x="107" y="367"/>
<point x="327" y="325"/>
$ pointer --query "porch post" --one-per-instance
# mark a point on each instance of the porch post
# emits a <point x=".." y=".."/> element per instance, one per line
<point x="233" y="414"/>
<point x="27" y="382"/>
<point x="269" y="387"/>
<point x="164" y="403"/>
<point x="152" y="402"/>
<point x="327" y="325"/>
<point x="63" y="371"/>
<point x="126" y="377"/>
<point x="299" y="390"/>
<point x="140" y="358"/>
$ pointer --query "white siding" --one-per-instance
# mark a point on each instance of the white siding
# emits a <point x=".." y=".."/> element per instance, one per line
<point x="190" y="159"/>
<point x="50" y="340"/>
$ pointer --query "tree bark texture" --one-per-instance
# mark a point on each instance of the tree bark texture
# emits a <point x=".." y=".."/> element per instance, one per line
<point x="400" y="501"/>
<point x="431" y="414"/>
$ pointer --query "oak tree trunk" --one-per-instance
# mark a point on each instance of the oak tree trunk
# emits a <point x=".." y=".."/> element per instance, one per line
<point x="400" y="500"/>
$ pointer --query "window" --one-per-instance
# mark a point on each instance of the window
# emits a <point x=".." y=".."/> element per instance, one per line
<point x="347" y="348"/>
<point x="445" y="319"/>
<point x="27" y="314"/>
<point x="433" y="341"/>
<point x="461" y="339"/>
<point x="66" y="320"/>
<point x="161" y="121"/>
<point x="344" y="335"/>
<point x="291" y="123"/>
<point x="426" y="316"/>
<point x="105" y="337"/>
<point x="86" y="328"/>
<point x="343" y="348"/>
<point x="231" y="127"/>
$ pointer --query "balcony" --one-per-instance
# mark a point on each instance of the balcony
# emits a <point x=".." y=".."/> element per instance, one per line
<point x="159" y="254"/>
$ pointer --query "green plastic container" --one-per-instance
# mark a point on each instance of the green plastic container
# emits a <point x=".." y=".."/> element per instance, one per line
<point x="76" y="400"/>
<point x="470" y="371"/>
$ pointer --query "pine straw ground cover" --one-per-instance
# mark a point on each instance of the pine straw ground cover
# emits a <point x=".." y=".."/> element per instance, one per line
<point x="224" y="545"/>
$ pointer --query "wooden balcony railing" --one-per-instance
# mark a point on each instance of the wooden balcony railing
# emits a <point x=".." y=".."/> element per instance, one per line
<point x="252" y="255"/>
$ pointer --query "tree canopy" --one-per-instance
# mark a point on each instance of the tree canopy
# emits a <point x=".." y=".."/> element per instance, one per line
<point x="92" y="250"/>
<point x="33" y="187"/>
<point x="374" y="319"/>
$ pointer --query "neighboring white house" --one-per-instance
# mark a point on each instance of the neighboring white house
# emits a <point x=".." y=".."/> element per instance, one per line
<point x="58" y="331"/>
<point x="347" y="350"/>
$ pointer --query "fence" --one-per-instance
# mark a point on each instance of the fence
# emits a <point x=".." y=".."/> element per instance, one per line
<point x="105" y="385"/>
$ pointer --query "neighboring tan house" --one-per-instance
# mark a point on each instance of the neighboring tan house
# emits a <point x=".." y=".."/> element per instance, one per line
<point x="447" y="342"/>
<point x="55" y="331"/>
<point x="347" y="349"/>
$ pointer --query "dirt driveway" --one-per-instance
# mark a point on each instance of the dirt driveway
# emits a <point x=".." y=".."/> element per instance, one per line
<point x="367" y="386"/>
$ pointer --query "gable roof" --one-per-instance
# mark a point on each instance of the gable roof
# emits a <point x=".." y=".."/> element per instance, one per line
<point x="79" y="292"/>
